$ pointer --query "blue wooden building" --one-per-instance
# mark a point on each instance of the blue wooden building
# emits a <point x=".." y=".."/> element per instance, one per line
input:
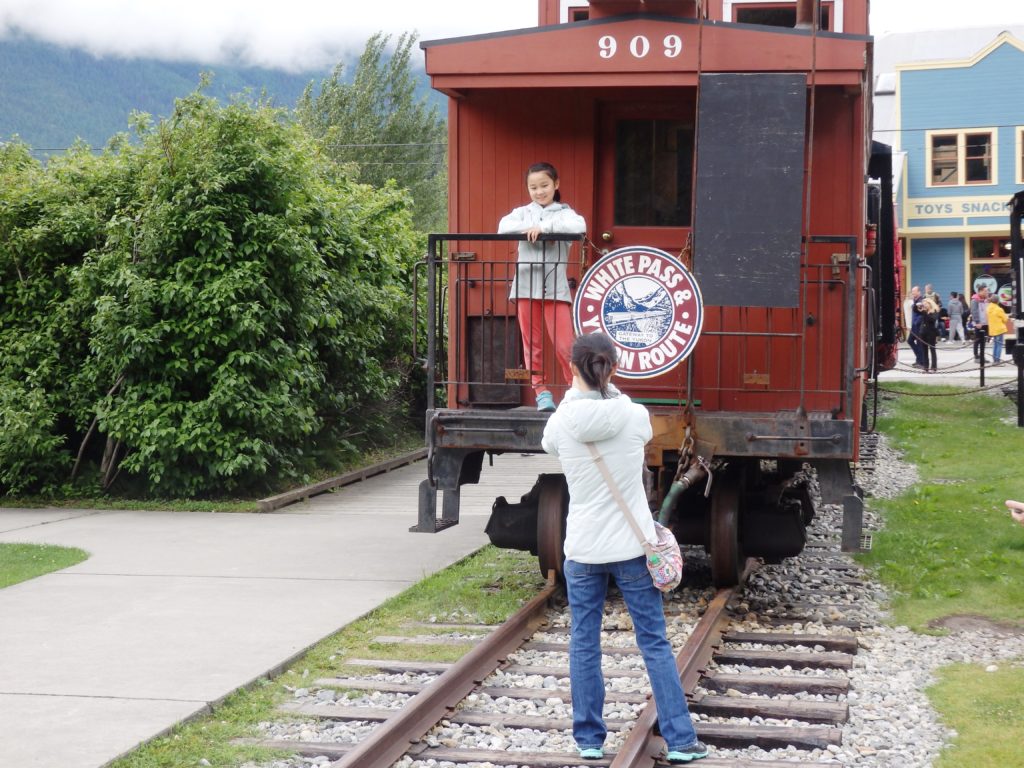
<point x="959" y="125"/>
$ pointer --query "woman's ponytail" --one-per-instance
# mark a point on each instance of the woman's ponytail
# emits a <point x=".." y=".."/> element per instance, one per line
<point x="595" y="357"/>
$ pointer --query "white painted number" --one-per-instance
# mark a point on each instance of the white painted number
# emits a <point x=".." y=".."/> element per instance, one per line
<point x="639" y="46"/>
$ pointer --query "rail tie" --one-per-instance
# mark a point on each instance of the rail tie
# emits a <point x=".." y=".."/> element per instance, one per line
<point x="714" y="693"/>
<point x="394" y="737"/>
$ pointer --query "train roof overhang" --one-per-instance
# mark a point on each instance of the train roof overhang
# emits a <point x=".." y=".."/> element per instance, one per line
<point x="570" y="55"/>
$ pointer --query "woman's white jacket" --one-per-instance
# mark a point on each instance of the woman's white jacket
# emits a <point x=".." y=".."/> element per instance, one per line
<point x="597" y="531"/>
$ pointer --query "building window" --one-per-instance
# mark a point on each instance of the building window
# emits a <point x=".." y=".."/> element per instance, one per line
<point x="989" y="248"/>
<point x="978" y="157"/>
<point x="1020" y="155"/>
<point x="990" y="267"/>
<point x="944" y="160"/>
<point x="773" y="13"/>
<point x="961" y="157"/>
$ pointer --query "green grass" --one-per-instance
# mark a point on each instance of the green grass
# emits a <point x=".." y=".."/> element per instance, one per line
<point x="21" y="562"/>
<point x="403" y="440"/>
<point x="485" y="587"/>
<point x="115" y="502"/>
<point x="949" y="545"/>
<point x="986" y="709"/>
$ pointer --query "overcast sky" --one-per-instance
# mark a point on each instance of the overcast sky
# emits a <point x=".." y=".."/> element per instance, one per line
<point x="313" y="34"/>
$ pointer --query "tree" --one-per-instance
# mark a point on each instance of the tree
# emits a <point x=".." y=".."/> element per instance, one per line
<point x="378" y="127"/>
<point x="201" y="312"/>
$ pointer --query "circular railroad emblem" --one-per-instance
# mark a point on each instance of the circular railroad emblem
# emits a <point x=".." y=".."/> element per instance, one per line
<point x="647" y="302"/>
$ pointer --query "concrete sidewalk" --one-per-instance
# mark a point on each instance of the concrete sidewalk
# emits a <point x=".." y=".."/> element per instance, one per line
<point x="956" y="365"/>
<point x="174" y="610"/>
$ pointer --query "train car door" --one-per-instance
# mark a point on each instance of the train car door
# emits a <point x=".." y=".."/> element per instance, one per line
<point x="645" y="175"/>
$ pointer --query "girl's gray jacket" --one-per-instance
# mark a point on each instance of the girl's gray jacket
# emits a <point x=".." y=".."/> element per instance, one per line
<point x="597" y="531"/>
<point x="540" y="268"/>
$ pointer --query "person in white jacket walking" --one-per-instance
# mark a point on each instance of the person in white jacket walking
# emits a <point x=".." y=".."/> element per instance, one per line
<point x="599" y="546"/>
<point x="540" y="288"/>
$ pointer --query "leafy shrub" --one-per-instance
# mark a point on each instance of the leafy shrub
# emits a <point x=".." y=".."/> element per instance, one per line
<point x="201" y="311"/>
<point x="29" y="449"/>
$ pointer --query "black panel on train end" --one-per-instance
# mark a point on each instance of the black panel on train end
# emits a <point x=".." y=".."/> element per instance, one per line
<point x="750" y="174"/>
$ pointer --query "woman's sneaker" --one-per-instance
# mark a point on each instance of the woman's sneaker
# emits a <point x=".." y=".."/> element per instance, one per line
<point x="695" y="751"/>
<point x="545" y="402"/>
<point x="592" y="753"/>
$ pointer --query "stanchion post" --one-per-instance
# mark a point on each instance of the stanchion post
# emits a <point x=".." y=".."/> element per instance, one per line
<point x="981" y="358"/>
<point x="1017" y="260"/>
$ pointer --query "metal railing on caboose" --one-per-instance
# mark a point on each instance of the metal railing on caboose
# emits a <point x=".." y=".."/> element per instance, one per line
<point x="751" y="359"/>
<point x="474" y="343"/>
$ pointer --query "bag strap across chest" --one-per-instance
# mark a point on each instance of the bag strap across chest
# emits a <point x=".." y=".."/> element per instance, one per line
<point x="617" y="495"/>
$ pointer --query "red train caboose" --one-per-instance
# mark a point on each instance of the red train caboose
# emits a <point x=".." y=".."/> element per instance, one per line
<point x="682" y="131"/>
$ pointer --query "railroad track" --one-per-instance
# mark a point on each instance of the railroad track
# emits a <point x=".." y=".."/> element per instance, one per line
<point x="759" y="676"/>
<point x="867" y="458"/>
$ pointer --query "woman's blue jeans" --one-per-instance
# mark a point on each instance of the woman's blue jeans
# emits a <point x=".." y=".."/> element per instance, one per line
<point x="587" y="585"/>
<point x="997" y="348"/>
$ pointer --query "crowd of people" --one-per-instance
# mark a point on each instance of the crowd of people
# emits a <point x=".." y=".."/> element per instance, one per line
<point x="982" y="319"/>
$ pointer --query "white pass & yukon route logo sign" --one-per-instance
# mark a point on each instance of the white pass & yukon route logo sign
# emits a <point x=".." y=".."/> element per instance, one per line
<point x="647" y="302"/>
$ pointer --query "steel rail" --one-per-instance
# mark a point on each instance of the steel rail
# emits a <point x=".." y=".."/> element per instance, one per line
<point x="641" y="748"/>
<point x="393" y="738"/>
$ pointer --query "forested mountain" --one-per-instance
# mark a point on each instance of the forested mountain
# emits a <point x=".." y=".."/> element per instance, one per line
<point x="50" y="95"/>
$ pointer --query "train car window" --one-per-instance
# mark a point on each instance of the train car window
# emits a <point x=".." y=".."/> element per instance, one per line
<point x="579" y="14"/>
<point x="653" y="173"/>
<point x="781" y="15"/>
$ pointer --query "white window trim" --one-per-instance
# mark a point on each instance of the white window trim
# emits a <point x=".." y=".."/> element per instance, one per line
<point x="961" y="157"/>
<point x="727" y="6"/>
<point x="1018" y="151"/>
<point x="565" y="5"/>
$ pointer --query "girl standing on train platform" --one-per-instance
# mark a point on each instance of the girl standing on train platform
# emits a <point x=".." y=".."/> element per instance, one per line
<point x="540" y="288"/>
<point x="600" y="546"/>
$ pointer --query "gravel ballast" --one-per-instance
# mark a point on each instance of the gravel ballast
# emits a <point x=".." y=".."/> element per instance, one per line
<point x="891" y="723"/>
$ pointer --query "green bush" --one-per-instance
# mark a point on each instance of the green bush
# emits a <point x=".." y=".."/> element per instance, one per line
<point x="199" y="312"/>
<point x="30" y="449"/>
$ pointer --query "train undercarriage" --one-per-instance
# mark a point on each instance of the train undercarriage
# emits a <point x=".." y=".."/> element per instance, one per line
<point x="737" y="505"/>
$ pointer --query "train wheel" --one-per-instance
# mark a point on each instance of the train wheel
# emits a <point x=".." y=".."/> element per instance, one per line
<point x="727" y="557"/>
<point x="552" y="510"/>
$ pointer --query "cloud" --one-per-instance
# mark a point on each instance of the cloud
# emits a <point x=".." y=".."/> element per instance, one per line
<point x="302" y="35"/>
<point x="923" y="15"/>
<point x="295" y="34"/>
